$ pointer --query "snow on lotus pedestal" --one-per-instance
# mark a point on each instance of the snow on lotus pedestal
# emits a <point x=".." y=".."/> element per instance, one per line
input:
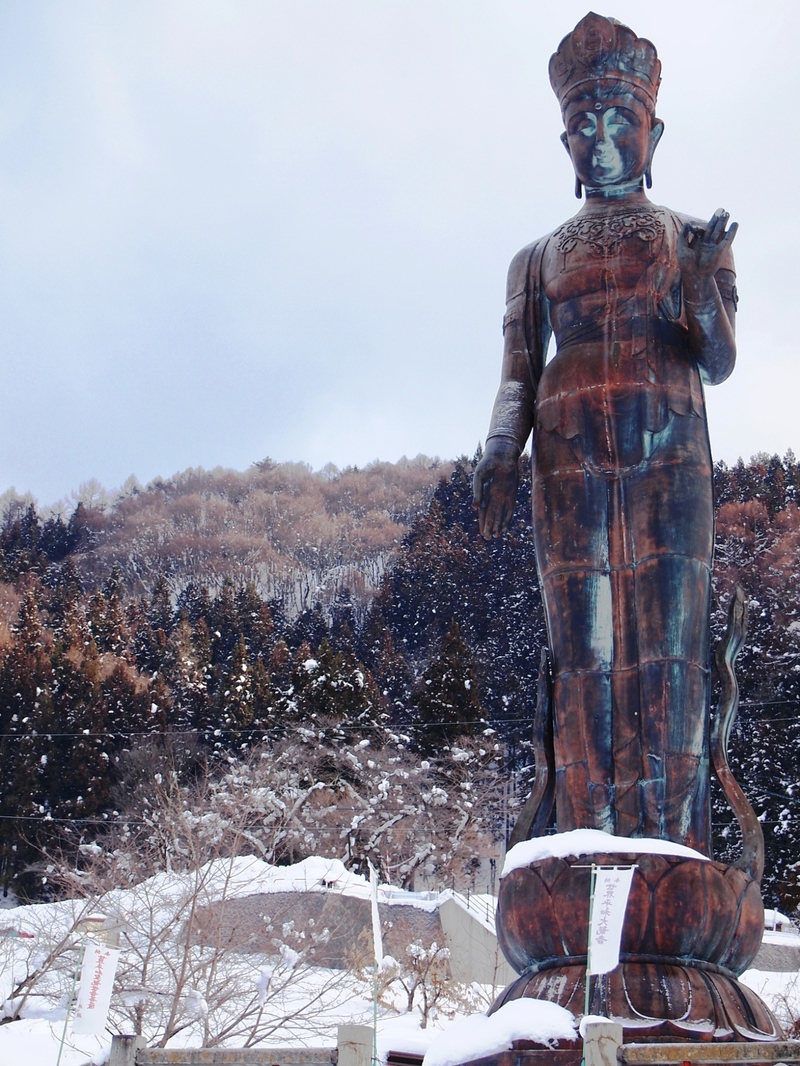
<point x="692" y="926"/>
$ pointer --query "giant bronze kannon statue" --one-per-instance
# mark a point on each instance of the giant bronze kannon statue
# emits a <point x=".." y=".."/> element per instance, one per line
<point x="641" y="301"/>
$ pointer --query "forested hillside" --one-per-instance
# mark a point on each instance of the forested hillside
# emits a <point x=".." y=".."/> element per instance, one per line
<point x="295" y="535"/>
<point x="347" y="627"/>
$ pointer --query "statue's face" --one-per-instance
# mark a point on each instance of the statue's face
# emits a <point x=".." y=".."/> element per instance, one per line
<point x="610" y="138"/>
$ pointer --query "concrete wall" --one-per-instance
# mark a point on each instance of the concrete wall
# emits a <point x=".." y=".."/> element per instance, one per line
<point x="474" y="952"/>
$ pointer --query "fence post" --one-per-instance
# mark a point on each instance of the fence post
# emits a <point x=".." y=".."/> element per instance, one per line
<point x="601" y="1042"/>
<point x="354" y="1043"/>
<point x="124" y="1048"/>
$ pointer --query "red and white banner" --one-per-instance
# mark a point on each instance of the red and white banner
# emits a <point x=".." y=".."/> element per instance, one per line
<point x="612" y="886"/>
<point x="94" y="990"/>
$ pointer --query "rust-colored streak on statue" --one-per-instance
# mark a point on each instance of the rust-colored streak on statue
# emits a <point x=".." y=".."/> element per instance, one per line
<point x="641" y="301"/>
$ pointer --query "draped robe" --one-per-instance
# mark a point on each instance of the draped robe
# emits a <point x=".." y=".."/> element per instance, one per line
<point x="622" y="516"/>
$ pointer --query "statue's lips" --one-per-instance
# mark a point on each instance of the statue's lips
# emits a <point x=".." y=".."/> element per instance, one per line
<point x="608" y="171"/>
<point x="607" y="163"/>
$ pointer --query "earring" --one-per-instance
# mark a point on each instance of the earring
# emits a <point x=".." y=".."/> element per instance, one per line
<point x="648" y="178"/>
<point x="579" y="187"/>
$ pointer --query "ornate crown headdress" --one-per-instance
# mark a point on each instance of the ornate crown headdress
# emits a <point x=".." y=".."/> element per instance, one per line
<point x="602" y="49"/>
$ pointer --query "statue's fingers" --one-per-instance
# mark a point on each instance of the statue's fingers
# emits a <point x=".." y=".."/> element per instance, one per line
<point x="497" y="521"/>
<point x="733" y="229"/>
<point x="501" y="516"/>
<point x="485" y="520"/>
<point x="712" y="227"/>
<point x="721" y="230"/>
<point x="483" y="525"/>
<point x="490" y="519"/>
<point x="481" y="518"/>
<point x="720" y="221"/>
<point x="477" y="491"/>
<point x="508" y="511"/>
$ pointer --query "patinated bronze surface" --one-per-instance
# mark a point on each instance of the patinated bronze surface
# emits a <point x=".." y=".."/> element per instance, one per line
<point x="692" y="927"/>
<point x="641" y="301"/>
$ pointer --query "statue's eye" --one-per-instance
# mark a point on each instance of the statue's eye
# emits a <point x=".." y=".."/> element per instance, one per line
<point x="585" y="124"/>
<point x="625" y="117"/>
<point x="617" y="118"/>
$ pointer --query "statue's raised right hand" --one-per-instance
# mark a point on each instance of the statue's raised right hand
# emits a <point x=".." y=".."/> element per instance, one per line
<point x="495" y="487"/>
<point x="701" y="250"/>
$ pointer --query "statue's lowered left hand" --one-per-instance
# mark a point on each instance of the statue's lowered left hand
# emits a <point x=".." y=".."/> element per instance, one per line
<point x="495" y="487"/>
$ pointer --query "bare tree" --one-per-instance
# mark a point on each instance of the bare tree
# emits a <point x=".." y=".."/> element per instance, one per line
<point x="181" y="969"/>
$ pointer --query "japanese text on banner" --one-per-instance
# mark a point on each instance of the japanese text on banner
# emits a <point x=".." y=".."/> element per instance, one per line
<point x="611" y="888"/>
<point x="95" y="988"/>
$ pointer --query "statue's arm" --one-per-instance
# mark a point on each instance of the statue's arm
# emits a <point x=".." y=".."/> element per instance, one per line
<point x="709" y="294"/>
<point x="497" y="474"/>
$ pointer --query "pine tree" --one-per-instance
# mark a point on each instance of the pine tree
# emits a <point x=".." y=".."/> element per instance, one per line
<point x="26" y="717"/>
<point x="159" y="611"/>
<point x="235" y="700"/>
<point x="224" y="624"/>
<point x="19" y="543"/>
<point x="254" y="620"/>
<point x="447" y="698"/>
<point x="65" y="590"/>
<point x="189" y="674"/>
<point x="446" y="571"/>
<point x="194" y="602"/>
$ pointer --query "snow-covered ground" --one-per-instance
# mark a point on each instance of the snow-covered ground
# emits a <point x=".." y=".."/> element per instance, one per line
<point x="169" y="970"/>
<point x="170" y="966"/>
<point x="781" y="991"/>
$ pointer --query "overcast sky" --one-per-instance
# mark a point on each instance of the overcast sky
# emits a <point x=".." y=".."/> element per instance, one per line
<point x="239" y="228"/>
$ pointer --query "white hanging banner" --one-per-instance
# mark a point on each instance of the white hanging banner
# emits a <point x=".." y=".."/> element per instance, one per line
<point x="94" y="990"/>
<point x="611" y="889"/>
<point x="377" y="938"/>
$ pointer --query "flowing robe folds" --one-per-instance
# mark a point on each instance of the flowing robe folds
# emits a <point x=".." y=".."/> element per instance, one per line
<point x="622" y="516"/>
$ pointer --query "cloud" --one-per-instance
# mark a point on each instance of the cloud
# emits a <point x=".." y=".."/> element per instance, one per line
<point x="233" y="229"/>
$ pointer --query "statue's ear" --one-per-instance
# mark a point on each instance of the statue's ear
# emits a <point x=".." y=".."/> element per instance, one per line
<point x="565" y="142"/>
<point x="655" y="135"/>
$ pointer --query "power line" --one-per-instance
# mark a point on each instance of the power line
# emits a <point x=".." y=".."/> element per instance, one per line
<point x="769" y="703"/>
<point x="217" y="731"/>
<point x="376" y="812"/>
<point x="250" y="827"/>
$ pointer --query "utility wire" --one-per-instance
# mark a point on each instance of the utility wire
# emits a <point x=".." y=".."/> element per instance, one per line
<point x="265" y="731"/>
<point x="219" y="730"/>
<point x="378" y="811"/>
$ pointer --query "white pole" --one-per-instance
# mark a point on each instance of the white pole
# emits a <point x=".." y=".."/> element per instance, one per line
<point x="70" y="1001"/>
<point x="587" y="997"/>
<point x="378" y="946"/>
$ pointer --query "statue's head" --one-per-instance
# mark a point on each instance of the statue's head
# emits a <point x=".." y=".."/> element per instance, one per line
<point x="606" y="80"/>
